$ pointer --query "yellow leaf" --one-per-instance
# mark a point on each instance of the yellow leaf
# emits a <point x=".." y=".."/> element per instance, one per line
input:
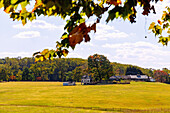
<point x="24" y="4"/>
<point x="45" y="51"/>
<point x="151" y="25"/>
<point x="7" y="10"/>
<point x="64" y="36"/>
<point x="13" y="1"/>
<point x="1" y="4"/>
<point x="168" y="30"/>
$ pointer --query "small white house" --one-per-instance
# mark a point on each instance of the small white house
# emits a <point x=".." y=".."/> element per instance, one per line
<point x="86" y="79"/>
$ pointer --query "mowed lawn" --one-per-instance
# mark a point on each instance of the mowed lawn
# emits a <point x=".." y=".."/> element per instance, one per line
<point x="52" y="97"/>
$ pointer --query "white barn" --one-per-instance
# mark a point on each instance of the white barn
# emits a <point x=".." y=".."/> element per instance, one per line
<point x="86" y="79"/>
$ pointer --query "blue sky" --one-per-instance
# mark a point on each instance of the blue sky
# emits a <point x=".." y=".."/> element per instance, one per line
<point x="119" y="40"/>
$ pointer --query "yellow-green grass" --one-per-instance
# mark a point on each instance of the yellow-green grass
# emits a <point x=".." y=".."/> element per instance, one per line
<point x="53" y="97"/>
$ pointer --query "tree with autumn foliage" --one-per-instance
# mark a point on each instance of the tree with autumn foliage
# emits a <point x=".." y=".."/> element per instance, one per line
<point x="161" y="76"/>
<point x="77" y="12"/>
<point x="161" y="27"/>
<point x="99" y="67"/>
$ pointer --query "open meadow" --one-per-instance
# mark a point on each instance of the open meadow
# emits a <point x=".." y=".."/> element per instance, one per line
<point x="52" y="97"/>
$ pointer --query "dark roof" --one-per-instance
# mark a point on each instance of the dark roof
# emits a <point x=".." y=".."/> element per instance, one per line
<point x="124" y="77"/>
<point x="86" y="77"/>
<point x="119" y="77"/>
<point x="113" y="78"/>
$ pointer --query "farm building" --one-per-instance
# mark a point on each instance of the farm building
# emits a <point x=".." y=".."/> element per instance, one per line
<point x="139" y="77"/>
<point x="118" y="78"/>
<point x="114" y="78"/>
<point x="132" y="77"/>
<point x="86" y="79"/>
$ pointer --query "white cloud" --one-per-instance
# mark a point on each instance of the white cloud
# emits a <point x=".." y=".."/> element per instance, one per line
<point x="87" y="44"/>
<point x="41" y="24"/>
<point x="15" y="54"/>
<point x="105" y="32"/>
<point x="28" y="34"/>
<point x="20" y="26"/>
<point x="140" y="53"/>
<point x="74" y="55"/>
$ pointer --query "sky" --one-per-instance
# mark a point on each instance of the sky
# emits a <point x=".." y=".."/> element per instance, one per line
<point x="119" y="40"/>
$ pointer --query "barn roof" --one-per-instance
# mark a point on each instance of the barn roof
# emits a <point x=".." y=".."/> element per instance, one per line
<point x="86" y="77"/>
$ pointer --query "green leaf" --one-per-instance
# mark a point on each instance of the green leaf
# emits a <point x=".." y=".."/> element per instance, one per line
<point x="82" y="20"/>
<point x="24" y="4"/>
<point x="13" y="1"/>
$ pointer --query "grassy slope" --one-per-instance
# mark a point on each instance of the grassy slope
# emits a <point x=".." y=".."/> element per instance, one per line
<point x="52" y="96"/>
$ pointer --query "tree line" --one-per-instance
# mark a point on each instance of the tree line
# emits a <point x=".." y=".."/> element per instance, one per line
<point x="72" y="69"/>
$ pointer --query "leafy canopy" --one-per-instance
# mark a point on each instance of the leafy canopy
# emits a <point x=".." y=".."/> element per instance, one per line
<point x="99" y="67"/>
<point x="77" y="11"/>
<point x="163" y="25"/>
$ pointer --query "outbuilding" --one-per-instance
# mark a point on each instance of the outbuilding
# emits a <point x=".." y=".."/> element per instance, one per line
<point x="86" y="79"/>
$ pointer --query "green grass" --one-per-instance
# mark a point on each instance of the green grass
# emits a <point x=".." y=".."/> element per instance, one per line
<point x="52" y="97"/>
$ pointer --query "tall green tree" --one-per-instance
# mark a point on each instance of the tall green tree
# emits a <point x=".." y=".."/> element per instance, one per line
<point x="99" y="66"/>
<point x="77" y="74"/>
<point x="26" y="74"/>
<point x="132" y="70"/>
<point x="3" y="75"/>
<point x="19" y="75"/>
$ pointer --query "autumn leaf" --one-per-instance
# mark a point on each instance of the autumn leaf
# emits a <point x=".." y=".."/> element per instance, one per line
<point x="65" y="52"/>
<point x="159" y="22"/>
<point x="8" y="9"/>
<point x="151" y="25"/>
<point x="87" y="38"/>
<point x="114" y="2"/>
<point x="168" y="30"/>
<point x="45" y="51"/>
<point x="76" y="35"/>
<point x="75" y="38"/>
<point x="93" y="27"/>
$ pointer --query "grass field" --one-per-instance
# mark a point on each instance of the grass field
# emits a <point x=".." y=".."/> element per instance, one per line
<point x="52" y="97"/>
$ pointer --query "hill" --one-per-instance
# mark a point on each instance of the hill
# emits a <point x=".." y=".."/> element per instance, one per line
<point x="64" y="69"/>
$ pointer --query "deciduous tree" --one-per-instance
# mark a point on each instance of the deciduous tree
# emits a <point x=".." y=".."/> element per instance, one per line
<point x="161" y="76"/>
<point x="100" y="68"/>
<point x="3" y="75"/>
